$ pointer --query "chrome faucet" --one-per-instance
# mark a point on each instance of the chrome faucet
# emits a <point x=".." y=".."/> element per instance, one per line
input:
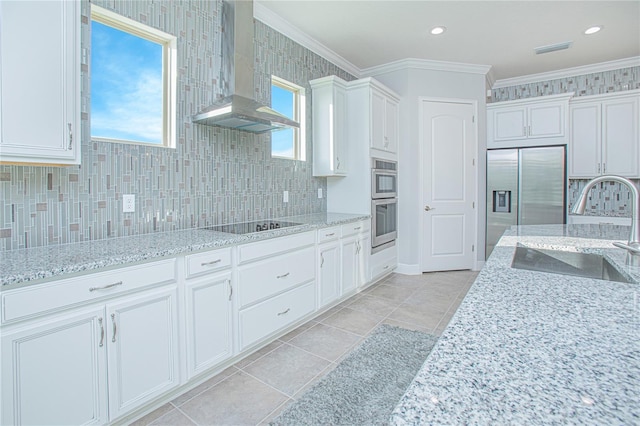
<point x="633" y="247"/>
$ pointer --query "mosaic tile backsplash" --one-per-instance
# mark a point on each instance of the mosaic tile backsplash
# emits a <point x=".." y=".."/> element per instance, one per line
<point x="214" y="175"/>
<point x="607" y="199"/>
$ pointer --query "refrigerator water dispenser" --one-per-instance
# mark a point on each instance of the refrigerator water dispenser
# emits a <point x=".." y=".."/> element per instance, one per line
<point x="502" y="201"/>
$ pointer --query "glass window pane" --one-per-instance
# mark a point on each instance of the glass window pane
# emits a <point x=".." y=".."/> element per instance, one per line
<point x="126" y="86"/>
<point x="282" y="100"/>
<point x="282" y="143"/>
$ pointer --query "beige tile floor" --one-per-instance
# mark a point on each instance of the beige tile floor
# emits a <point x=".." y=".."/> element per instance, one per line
<point x="257" y="388"/>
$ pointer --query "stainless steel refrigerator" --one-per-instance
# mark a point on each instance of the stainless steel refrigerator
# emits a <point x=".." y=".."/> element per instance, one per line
<point x="525" y="186"/>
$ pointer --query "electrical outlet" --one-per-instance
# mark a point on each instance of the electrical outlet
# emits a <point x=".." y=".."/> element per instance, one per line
<point x="285" y="197"/>
<point x="319" y="192"/>
<point x="128" y="203"/>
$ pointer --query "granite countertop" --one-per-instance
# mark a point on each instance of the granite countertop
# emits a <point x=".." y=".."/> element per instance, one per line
<point x="536" y="348"/>
<point x="24" y="266"/>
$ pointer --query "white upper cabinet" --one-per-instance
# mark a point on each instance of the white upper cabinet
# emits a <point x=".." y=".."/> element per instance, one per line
<point x="329" y="111"/>
<point x="40" y="82"/>
<point x="384" y="120"/>
<point x="604" y="135"/>
<point x="528" y="122"/>
<point x="374" y="116"/>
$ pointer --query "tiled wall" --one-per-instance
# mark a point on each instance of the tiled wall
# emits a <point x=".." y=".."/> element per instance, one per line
<point x="607" y="199"/>
<point x="213" y="176"/>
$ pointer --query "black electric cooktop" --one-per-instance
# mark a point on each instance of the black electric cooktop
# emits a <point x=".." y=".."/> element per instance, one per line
<point x="249" y="227"/>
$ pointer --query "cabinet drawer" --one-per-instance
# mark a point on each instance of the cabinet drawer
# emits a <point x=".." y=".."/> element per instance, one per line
<point x="44" y="298"/>
<point x="264" y="279"/>
<point x="261" y="249"/>
<point x="207" y="262"/>
<point x="328" y="234"/>
<point x="355" y="228"/>
<point x="276" y="313"/>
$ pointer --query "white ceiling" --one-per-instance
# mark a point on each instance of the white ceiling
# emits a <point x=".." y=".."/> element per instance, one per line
<point x="501" y="34"/>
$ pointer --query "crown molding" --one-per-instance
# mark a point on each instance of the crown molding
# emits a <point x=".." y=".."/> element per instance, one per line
<point x="269" y="18"/>
<point x="425" y="64"/>
<point x="568" y="72"/>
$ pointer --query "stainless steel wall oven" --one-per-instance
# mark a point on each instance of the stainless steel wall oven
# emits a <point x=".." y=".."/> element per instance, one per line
<point x="384" y="204"/>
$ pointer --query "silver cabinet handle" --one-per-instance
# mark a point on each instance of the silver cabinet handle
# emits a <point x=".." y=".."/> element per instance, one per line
<point x="427" y="208"/>
<point x="213" y="262"/>
<point x="115" y="329"/>
<point x="230" y="289"/>
<point x="101" y="332"/>
<point x="338" y="161"/>
<point x="604" y="167"/>
<point x="70" y="136"/>
<point x="329" y="235"/>
<point x="283" y="275"/>
<point x="321" y="259"/>
<point x="106" y="286"/>
<point x="386" y="267"/>
<point x="357" y="228"/>
<point x="357" y="247"/>
<point x="284" y="312"/>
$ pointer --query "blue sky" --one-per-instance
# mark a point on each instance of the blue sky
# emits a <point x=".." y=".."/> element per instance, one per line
<point x="282" y="140"/>
<point x="126" y="86"/>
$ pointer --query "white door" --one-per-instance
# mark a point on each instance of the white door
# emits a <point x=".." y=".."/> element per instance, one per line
<point x="448" y="141"/>
<point x="54" y="372"/>
<point x="143" y="349"/>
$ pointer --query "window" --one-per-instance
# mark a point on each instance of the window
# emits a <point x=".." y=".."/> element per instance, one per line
<point x="133" y="88"/>
<point x="288" y="99"/>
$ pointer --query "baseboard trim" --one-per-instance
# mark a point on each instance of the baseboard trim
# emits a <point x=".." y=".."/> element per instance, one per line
<point x="408" y="269"/>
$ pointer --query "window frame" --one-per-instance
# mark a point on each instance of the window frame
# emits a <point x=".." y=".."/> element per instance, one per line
<point x="299" y="115"/>
<point x="168" y="44"/>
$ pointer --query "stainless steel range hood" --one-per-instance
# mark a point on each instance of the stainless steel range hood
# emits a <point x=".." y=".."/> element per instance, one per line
<point x="238" y="109"/>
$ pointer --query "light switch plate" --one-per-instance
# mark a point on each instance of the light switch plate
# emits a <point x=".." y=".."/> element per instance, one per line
<point x="128" y="203"/>
<point x="285" y="197"/>
<point x="319" y="192"/>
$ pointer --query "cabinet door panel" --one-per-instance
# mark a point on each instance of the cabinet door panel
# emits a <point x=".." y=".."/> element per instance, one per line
<point x="349" y="264"/>
<point x="39" y="36"/>
<point x="546" y="121"/>
<point x="143" y="352"/>
<point x="509" y="124"/>
<point x="377" y="119"/>
<point x="620" y="137"/>
<point x="584" y="148"/>
<point x="391" y="133"/>
<point x="55" y="372"/>
<point x="328" y="273"/>
<point x="208" y="322"/>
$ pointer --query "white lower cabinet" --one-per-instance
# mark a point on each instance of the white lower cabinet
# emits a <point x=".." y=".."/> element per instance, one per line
<point x="271" y="315"/>
<point x="55" y="371"/>
<point x="329" y="288"/>
<point x="276" y="285"/>
<point x="208" y="321"/>
<point x="95" y="348"/>
<point x="356" y="245"/>
<point x="68" y="368"/>
<point x="142" y="343"/>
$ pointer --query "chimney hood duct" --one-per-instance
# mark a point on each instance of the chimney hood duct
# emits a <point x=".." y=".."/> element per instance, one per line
<point x="238" y="109"/>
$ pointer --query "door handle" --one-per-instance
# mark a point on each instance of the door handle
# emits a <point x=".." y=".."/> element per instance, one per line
<point x="427" y="208"/>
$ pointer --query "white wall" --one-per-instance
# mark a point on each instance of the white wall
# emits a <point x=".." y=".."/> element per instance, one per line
<point x="412" y="84"/>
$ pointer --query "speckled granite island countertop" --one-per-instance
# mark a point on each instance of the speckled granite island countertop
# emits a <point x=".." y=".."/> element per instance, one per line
<point x="26" y="266"/>
<point x="533" y="348"/>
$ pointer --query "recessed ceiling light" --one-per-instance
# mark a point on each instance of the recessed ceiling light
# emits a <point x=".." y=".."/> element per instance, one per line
<point x="438" y="30"/>
<point x="593" y="29"/>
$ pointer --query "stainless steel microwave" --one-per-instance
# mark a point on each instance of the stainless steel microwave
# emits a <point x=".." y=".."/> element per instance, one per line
<point x="384" y="179"/>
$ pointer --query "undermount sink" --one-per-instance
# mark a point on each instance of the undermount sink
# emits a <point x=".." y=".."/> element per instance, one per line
<point x="588" y="265"/>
